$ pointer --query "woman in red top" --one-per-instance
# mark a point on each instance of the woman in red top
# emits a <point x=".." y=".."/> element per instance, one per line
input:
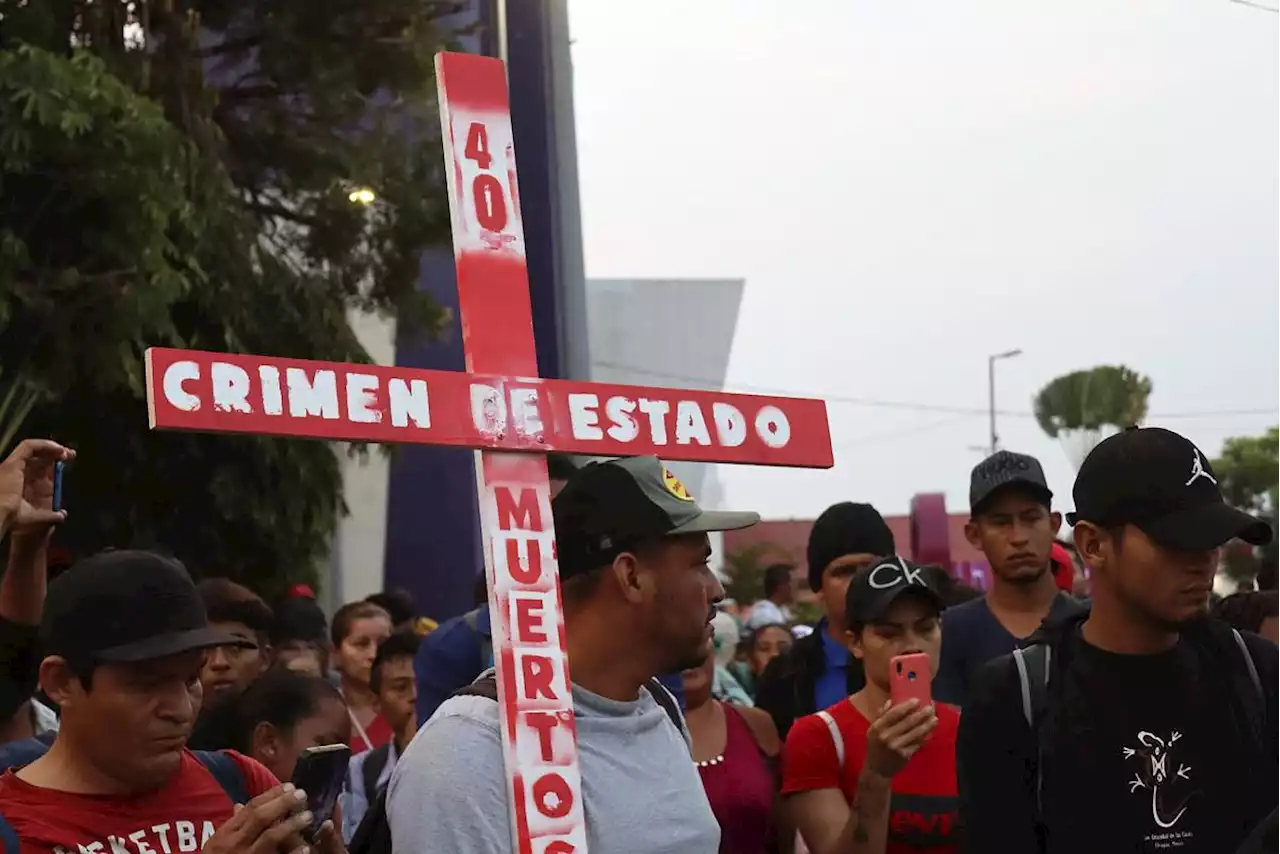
<point x="866" y="775"/>
<point x="735" y="749"/>
<point x="358" y="628"/>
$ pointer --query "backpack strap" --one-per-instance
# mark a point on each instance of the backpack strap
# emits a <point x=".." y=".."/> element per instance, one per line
<point x="486" y="686"/>
<point x="1256" y="698"/>
<point x="227" y="772"/>
<point x="371" y="769"/>
<point x="667" y="702"/>
<point x="373" y="834"/>
<point x="9" y="842"/>
<point x="1033" y="678"/>
<point x="837" y="739"/>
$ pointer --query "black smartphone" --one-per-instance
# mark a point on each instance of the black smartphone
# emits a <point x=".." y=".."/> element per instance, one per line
<point x="321" y="772"/>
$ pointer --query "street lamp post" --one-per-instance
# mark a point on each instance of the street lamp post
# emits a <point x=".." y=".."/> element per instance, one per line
<point x="991" y="392"/>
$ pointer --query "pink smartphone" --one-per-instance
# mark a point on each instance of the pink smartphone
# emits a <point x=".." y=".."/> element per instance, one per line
<point x="910" y="678"/>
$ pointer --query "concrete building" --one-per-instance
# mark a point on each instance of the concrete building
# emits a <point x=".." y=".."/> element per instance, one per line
<point x="676" y="333"/>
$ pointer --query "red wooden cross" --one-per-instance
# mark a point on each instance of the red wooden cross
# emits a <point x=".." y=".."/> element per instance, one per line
<point x="501" y="407"/>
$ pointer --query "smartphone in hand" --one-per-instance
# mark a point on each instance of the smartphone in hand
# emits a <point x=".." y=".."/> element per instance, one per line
<point x="910" y="677"/>
<point x="321" y="772"/>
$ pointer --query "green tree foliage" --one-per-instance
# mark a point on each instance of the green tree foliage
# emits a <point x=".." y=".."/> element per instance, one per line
<point x="1248" y="471"/>
<point x="1087" y="400"/>
<point x="177" y="172"/>
<point x="745" y="568"/>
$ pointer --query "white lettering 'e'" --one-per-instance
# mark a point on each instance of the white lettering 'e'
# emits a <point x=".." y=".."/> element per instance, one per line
<point x="657" y="411"/>
<point x="230" y="388"/>
<point x="361" y="399"/>
<point x="409" y="401"/>
<point x="139" y="839"/>
<point x="162" y="830"/>
<point x="312" y="396"/>
<point x="625" y="428"/>
<point x="690" y="425"/>
<point x="524" y="411"/>
<point x="174" y="376"/>
<point x="584" y="416"/>
<point x="731" y="427"/>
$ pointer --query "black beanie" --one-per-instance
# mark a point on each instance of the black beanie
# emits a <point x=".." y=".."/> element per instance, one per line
<point x="846" y="529"/>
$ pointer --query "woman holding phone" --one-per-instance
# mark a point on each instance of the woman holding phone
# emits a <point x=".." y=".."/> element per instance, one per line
<point x="875" y="773"/>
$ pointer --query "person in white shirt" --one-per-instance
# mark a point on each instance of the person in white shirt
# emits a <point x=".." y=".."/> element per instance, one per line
<point x="778" y="594"/>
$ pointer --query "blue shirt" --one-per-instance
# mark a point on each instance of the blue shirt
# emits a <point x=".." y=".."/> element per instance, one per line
<point x="833" y="685"/>
<point x="972" y="636"/>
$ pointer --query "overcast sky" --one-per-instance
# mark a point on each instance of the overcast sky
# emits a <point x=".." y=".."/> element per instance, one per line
<point x="910" y="186"/>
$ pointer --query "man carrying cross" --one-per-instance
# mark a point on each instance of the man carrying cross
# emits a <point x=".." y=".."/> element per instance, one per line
<point x="503" y="408"/>
<point x="638" y="600"/>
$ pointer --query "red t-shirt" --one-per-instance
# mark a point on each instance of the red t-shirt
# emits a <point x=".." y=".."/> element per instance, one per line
<point x="379" y="732"/>
<point x="923" y="807"/>
<point x="177" y="818"/>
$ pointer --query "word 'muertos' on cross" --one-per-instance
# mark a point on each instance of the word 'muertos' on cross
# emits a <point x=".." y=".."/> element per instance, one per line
<point x="502" y="408"/>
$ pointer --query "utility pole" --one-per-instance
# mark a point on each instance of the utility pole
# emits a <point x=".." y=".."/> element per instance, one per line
<point x="991" y="392"/>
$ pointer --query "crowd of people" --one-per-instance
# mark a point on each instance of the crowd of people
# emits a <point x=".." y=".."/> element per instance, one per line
<point x="145" y="711"/>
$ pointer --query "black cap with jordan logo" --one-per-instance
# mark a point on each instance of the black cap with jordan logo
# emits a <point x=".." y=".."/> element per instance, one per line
<point x="1162" y="484"/>
<point x="608" y="507"/>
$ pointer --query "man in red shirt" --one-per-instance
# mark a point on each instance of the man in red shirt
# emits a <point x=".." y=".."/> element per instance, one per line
<point x="865" y="776"/>
<point x="124" y="635"/>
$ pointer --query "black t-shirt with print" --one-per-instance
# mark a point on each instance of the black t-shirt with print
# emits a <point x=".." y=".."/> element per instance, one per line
<point x="1145" y="755"/>
<point x="1141" y="760"/>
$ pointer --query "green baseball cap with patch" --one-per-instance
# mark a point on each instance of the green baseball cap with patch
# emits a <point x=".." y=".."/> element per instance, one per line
<point x="608" y="507"/>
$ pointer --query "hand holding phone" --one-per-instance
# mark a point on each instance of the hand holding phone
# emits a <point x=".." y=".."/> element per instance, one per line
<point x="905" y="722"/>
<point x="321" y="772"/>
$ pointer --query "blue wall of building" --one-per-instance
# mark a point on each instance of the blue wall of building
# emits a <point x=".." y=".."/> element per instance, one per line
<point x="433" y="532"/>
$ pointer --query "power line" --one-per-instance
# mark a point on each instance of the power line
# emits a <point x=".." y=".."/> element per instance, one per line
<point x="894" y="404"/>
<point x="1253" y="5"/>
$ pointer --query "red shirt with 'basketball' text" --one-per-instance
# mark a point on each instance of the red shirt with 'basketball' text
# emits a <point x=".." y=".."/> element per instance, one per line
<point x="177" y="818"/>
<point x="923" y="805"/>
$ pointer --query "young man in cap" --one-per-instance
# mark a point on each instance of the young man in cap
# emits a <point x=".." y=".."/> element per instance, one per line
<point x="638" y="601"/>
<point x="1143" y="725"/>
<point x="865" y="775"/>
<point x="124" y="635"/>
<point x="818" y="671"/>
<point x="1012" y="523"/>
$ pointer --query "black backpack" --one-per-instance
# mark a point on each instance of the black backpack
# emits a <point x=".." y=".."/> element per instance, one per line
<point x="1033" y="665"/>
<point x="373" y="835"/>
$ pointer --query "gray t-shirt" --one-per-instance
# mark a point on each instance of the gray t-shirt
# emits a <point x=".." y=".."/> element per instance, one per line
<point x="641" y="793"/>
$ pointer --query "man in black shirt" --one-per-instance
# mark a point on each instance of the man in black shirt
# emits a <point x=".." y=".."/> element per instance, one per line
<point x="1143" y="725"/>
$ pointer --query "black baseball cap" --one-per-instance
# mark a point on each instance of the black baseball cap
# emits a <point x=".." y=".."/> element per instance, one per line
<point x="875" y="588"/>
<point x="611" y="506"/>
<point x="125" y="606"/>
<point x="1006" y="468"/>
<point x="1162" y="484"/>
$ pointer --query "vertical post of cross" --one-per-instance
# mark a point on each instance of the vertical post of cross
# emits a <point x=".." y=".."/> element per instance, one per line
<point x="535" y="700"/>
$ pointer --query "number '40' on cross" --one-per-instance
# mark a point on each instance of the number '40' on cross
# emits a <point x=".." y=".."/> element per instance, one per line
<point x="487" y="192"/>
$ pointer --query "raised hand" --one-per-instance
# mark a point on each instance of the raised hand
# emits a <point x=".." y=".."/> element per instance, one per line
<point x="26" y="487"/>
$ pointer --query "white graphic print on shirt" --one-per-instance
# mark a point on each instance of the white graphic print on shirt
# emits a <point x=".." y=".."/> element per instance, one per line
<point x="1158" y="771"/>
